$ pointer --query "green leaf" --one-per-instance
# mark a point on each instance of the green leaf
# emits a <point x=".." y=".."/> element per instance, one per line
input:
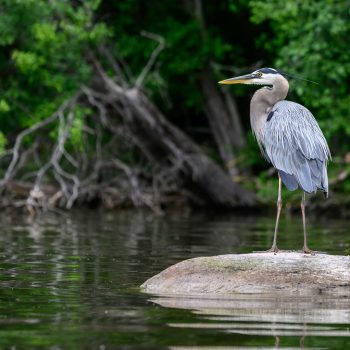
<point x="3" y="142"/>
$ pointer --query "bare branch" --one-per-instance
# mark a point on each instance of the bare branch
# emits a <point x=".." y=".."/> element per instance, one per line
<point x="122" y="77"/>
<point x="19" y="139"/>
<point x="161" y="44"/>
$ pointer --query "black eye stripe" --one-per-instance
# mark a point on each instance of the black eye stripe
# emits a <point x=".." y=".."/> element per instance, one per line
<point x="268" y="71"/>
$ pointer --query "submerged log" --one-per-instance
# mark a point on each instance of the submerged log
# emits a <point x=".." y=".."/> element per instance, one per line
<point x="290" y="272"/>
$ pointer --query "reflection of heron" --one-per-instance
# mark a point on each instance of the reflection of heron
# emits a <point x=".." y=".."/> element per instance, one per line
<point x="289" y="138"/>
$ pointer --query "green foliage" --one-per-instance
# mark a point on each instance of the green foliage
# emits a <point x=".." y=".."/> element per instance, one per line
<point x="3" y="142"/>
<point x="4" y="106"/>
<point x="76" y="130"/>
<point x="190" y="46"/>
<point x="43" y="50"/>
<point x="311" y="38"/>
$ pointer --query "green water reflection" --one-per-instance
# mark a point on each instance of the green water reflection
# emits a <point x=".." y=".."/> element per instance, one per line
<point x="69" y="282"/>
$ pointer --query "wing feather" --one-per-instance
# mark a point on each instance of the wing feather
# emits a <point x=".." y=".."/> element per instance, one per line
<point x="296" y="146"/>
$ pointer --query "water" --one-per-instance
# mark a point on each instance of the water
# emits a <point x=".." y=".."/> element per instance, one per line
<point x="70" y="282"/>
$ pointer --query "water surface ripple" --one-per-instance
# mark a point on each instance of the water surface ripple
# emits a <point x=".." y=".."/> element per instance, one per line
<point x="70" y="282"/>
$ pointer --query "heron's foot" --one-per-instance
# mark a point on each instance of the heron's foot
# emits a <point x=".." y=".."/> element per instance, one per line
<point x="273" y="249"/>
<point x="307" y="250"/>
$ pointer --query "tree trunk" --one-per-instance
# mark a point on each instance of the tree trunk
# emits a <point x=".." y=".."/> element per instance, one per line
<point x="224" y="121"/>
<point x="221" y="110"/>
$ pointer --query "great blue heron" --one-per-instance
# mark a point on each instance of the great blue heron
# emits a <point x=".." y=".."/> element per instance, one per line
<point x="289" y="137"/>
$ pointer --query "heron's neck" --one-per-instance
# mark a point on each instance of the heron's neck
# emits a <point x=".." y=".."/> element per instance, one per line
<point x="262" y="103"/>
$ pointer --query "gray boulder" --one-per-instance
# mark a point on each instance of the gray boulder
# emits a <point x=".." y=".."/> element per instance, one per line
<point x="291" y="272"/>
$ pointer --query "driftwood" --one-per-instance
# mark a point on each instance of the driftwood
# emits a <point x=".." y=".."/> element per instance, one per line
<point x="124" y="121"/>
<point x="169" y="145"/>
<point x="282" y="273"/>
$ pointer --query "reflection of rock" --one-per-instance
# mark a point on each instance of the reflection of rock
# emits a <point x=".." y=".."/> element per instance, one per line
<point x="267" y="315"/>
<point x="290" y="272"/>
<point x="284" y="312"/>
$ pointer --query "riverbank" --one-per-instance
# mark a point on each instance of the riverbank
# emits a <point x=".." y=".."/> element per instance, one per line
<point x="20" y="196"/>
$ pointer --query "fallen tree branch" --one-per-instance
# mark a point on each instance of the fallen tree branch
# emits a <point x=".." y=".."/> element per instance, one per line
<point x="129" y="153"/>
<point x="147" y="68"/>
<point x="19" y="139"/>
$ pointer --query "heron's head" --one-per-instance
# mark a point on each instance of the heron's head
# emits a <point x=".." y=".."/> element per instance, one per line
<point x="262" y="76"/>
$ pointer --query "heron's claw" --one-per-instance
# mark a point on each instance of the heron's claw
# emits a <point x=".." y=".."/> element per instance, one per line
<point x="307" y="250"/>
<point x="273" y="249"/>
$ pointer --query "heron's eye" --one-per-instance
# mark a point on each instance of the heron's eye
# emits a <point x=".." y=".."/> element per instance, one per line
<point x="259" y="74"/>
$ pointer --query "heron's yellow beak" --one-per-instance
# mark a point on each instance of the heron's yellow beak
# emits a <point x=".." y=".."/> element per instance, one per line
<point x="243" y="79"/>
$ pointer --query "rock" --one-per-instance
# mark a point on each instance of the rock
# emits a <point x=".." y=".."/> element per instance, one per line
<point x="291" y="272"/>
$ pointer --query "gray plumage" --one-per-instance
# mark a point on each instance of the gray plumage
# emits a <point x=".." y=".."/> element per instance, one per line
<point x="294" y="143"/>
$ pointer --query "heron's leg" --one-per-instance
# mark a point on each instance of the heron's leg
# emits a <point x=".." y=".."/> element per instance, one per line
<point x="302" y="206"/>
<point x="279" y="208"/>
